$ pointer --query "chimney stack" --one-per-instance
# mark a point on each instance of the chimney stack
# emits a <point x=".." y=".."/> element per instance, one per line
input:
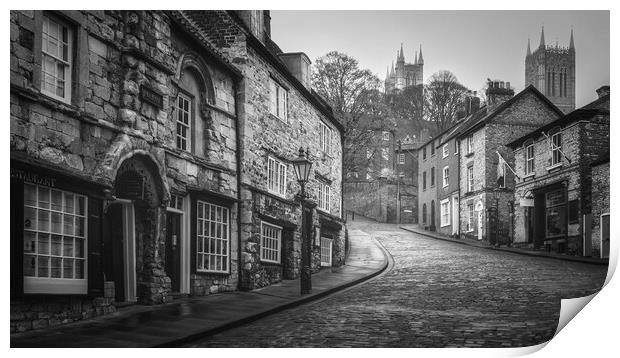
<point x="497" y="93"/>
<point x="298" y="64"/>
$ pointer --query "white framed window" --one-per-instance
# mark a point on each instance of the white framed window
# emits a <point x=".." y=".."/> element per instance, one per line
<point x="556" y="148"/>
<point x="270" y="242"/>
<point x="529" y="159"/>
<point x="470" y="178"/>
<point x="326" y="251"/>
<point x="213" y="237"/>
<point x="183" y="119"/>
<point x="446" y="176"/>
<point x="445" y="212"/>
<point x="445" y="151"/>
<point x="276" y="176"/>
<point x="176" y="202"/>
<point x="56" y="60"/>
<point x="55" y="241"/>
<point x="470" y="217"/>
<point x="386" y="136"/>
<point x="470" y="143"/>
<point x="324" y="196"/>
<point x="432" y="177"/>
<point x="278" y="100"/>
<point x="456" y="147"/>
<point x="401" y="158"/>
<point x="325" y="138"/>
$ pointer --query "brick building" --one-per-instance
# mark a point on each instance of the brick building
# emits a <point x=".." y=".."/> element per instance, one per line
<point x="278" y="113"/>
<point x="553" y="205"/>
<point x="441" y="202"/>
<point x="600" y="208"/>
<point x="551" y="69"/>
<point x="484" y="200"/>
<point x="150" y="158"/>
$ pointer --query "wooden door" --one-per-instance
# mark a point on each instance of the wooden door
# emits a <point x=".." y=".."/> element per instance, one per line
<point x="173" y="250"/>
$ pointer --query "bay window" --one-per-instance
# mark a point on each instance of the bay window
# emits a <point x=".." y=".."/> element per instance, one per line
<point x="55" y="241"/>
<point x="213" y="238"/>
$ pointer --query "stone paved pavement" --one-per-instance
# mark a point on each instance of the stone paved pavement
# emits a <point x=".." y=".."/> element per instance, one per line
<point x="438" y="294"/>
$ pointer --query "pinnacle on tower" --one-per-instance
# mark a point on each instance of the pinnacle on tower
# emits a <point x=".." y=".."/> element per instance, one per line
<point x="401" y="57"/>
<point x="542" y="38"/>
<point x="387" y="73"/>
<point x="420" y="59"/>
<point x="392" y="72"/>
<point x="529" y="52"/>
<point x="572" y="41"/>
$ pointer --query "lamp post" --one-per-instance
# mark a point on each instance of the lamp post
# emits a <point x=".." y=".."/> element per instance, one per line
<point x="496" y="193"/>
<point x="302" y="168"/>
<point x="398" y="183"/>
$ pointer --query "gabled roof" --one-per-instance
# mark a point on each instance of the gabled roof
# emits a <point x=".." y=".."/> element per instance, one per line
<point x="474" y="125"/>
<point x="188" y="25"/>
<point x="574" y="116"/>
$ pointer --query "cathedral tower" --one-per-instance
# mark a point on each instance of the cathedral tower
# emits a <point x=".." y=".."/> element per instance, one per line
<point x="551" y="69"/>
<point x="404" y="74"/>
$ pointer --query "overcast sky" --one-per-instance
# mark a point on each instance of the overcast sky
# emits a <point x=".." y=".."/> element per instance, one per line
<point x="474" y="45"/>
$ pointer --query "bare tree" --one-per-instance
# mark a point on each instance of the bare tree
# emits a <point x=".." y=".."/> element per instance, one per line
<point x="355" y="97"/>
<point x="442" y="99"/>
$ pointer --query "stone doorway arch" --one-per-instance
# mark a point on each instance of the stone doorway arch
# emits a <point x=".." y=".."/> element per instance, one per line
<point x="134" y="231"/>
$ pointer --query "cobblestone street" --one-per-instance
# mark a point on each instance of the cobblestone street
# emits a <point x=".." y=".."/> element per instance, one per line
<point x="438" y="294"/>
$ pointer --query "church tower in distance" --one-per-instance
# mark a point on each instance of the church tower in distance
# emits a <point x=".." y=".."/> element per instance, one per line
<point x="404" y="74"/>
<point x="551" y="69"/>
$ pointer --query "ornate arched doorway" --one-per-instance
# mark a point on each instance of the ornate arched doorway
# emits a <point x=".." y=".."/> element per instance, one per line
<point x="134" y="232"/>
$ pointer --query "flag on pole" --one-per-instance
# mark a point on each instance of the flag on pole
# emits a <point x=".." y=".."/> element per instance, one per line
<point x="502" y="164"/>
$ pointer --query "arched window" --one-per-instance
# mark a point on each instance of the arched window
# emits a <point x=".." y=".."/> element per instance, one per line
<point x="191" y="114"/>
<point x="424" y="213"/>
<point x="432" y="213"/>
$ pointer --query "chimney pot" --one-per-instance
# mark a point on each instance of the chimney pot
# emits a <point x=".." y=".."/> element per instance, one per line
<point x="602" y="91"/>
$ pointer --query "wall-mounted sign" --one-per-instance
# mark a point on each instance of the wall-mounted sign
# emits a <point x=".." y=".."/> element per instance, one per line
<point x="526" y="202"/>
<point x="151" y="96"/>
<point x="479" y="205"/>
<point x="32" y="177"/>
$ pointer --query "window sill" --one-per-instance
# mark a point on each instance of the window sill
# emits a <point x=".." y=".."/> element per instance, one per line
<point x="205" y="273"/>
<point x="444" y="225"/>
<point x="446" y="185"/>
<point x="469" y="155"/>
<point x="554" y="166"/>
<point x="285" y="121"/>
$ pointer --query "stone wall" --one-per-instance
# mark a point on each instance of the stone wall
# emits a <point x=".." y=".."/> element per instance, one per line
<point x="264" y="135"/>
<point x="117" y="55"/>
<point x="377" y="200"/>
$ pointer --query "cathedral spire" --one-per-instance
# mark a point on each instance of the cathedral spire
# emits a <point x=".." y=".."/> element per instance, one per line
<point x="542" y="38"/>
<point x="529" y="52"/>
<point x="420" y="59"/>
<point x="572" y="41"/>
<point x="392" y="72"/>
<point x="401" y="57"/>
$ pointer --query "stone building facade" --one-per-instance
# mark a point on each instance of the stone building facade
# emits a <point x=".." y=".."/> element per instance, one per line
<point x="279" y="113"/>
<point x="123" y="127"/>
<point x="486" y="181"/>
<point x="141" y="147"/>
<point x="553" y="206"/>
<point x="551" y="69"/>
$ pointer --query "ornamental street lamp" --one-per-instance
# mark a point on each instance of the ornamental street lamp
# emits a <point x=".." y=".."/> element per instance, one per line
<point x="302" y="168"/>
